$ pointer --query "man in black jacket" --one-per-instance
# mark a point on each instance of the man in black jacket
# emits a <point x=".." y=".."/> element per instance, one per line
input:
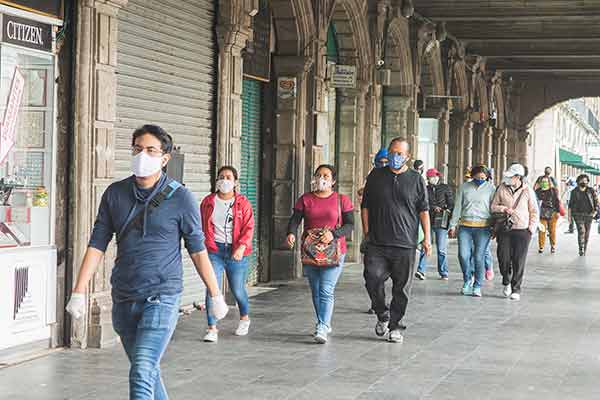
<point x="584" y="206"/>
<point x="441" y="202"/>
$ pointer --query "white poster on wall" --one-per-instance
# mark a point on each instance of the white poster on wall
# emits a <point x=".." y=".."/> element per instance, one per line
<point x="343" y="76"/>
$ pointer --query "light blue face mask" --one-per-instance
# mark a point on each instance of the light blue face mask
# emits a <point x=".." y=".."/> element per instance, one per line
<point x="396" y="160"/>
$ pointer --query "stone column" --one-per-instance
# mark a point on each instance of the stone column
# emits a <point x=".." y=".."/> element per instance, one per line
<point x="352" y="122"/>
<point x="467" y="133"/>
<point x="395" y="117"/>
<point x="443" y="145"/>
<point x="289" y="163"/>
<point x="412" y="128"/>
<point x="488" y="136"/>
<point x="503" y="152"/>
<point x="233" y="32"/>
<point x="94" y="105"/>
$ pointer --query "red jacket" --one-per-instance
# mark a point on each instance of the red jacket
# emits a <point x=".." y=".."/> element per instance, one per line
<point x="243" y="223"/>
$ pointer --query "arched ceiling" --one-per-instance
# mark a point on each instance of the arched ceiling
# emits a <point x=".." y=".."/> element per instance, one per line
<point x="545" y="45"/>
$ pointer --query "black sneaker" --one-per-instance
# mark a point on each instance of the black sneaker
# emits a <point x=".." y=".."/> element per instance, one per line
<point x="381" y="328"/>
<point x="420" y="276"/>
<point x="371" y="311"/>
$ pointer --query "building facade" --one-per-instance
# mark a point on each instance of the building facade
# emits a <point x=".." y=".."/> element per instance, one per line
<point x="566" y="137"/>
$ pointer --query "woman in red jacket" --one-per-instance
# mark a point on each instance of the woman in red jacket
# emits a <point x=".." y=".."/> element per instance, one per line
<point x="228" y="225"/>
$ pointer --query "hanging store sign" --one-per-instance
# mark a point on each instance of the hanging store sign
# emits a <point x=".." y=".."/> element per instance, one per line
<point x="257" y="54"/>
<point x="286" y="88"/>
<point x="26" y="33"/>
<point x="9" y="124"/>
<point x="343" y="76"/>
<point x="46" y="7"/>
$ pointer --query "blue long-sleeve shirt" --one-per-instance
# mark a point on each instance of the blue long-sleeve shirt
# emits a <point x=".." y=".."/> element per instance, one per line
<point x="149" y="263"/>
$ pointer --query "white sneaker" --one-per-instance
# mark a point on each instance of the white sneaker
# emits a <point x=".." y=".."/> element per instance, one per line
<point x="395" y="336"/>
<point x="212" y="336"/>
<point x="515" y="296"/>
<point x="507" y="290"/>
<point x="321" y="336"/>
<point x="242" y="329"/>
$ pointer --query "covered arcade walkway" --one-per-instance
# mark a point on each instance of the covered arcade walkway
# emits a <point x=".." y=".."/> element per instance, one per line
<point x="545" y="347"/>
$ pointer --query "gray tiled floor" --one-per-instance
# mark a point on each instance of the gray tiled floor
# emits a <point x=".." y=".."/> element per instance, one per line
<point x="545" y="347"/>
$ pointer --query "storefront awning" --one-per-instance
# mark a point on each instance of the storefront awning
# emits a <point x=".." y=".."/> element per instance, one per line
<point x="572" y="159"/>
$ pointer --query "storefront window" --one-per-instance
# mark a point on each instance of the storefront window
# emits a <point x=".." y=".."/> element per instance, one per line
<point x="26" y="117"/>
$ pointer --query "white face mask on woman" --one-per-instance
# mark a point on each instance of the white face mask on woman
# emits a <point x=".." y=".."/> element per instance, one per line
<point x="323" y="184"/>
<point x="144" y="165"/>
<point x="225" y="186"/>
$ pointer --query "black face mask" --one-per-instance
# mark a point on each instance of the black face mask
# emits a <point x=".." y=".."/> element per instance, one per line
<point x="582" y="184"/>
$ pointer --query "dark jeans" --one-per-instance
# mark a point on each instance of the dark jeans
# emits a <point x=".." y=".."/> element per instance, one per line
<point x="381" y="263"/>
<point x="145" y="328"/>
<point x="512" y="256"/>
<point x="584" y="225"/>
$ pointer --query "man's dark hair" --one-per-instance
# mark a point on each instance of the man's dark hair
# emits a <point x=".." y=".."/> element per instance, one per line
<point x="479" y="169"/>
<point x="330" y="168"/>
<point x="582" y="177"/>
<point x="396" y="140"/>
<point x="166" y="141"/>
<point x="228" y="168"/>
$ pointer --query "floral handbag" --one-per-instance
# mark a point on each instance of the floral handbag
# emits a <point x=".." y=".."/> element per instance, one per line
<point x="314" y="252"/>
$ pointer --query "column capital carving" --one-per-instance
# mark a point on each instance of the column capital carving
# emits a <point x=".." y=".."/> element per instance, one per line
<point x="291" y="65"/>
<point x="107" y="3"/>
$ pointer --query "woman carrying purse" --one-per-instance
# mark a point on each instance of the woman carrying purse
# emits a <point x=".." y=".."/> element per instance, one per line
<point x="328" y="219"/>
<point x="514" y="199"/>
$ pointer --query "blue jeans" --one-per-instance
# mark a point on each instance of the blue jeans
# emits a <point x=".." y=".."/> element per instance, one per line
<point x="322" y="281"/>
<point x="145" y="328"/>
<point x="237" y="273"/>
<point x="472" y="246"/>
<point x="489" y="261"/>
<point x="441" y="244"/>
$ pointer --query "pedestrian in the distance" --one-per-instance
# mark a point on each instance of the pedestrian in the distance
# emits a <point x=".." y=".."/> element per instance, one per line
<point x="583" y="205"/>
<point x="441" y="203"/>
<point x="547" y="194"/>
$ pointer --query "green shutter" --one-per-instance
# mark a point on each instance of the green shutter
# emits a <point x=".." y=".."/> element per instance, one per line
<point x="250" y="160"/>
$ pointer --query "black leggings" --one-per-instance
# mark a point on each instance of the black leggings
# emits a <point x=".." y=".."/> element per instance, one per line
<point x="584" y="224"/>
<point x="512" y="256"/>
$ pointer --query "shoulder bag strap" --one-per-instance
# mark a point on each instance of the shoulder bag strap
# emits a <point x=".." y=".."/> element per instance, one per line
<point x="155" y="202"/>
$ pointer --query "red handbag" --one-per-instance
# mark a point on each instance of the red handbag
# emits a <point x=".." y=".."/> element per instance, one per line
<point x="314" y="252"/>
<point x="561" y="210"/>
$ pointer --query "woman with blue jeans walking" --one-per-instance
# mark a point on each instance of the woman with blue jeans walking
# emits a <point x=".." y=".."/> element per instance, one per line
<point x="332" y="212"/>
<point x="228" y="222"/>
<point x="471" y="216"/>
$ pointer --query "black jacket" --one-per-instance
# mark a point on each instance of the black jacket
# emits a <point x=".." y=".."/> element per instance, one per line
<point x="440" y="196"/>
<point x="583" y="202"/>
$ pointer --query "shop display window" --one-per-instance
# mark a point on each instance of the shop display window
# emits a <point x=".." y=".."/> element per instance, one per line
<point x="26" y="131"/>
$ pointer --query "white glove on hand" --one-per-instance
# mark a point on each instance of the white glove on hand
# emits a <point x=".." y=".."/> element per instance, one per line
<point x="218" y="307"/>
<point x="76" y="305"/>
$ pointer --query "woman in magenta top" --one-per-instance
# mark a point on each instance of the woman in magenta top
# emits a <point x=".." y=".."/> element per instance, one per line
<point x="323" y="208"/>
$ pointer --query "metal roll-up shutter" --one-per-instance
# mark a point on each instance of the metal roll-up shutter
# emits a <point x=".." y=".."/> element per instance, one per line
<point x="250" y="160"/>
<point x="167" y="76"/>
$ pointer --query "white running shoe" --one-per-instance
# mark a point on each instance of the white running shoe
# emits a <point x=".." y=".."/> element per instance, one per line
<point x="515" y="296"/>
<point x="395" y="336"/>
<point x="242" y="329"/>
<point x="507" y="290"/>
<point x="212" y="336"/>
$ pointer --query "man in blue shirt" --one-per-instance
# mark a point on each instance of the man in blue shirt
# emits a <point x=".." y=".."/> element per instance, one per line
<point x="147" y="279"/>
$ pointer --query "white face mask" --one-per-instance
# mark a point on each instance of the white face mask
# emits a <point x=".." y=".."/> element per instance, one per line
<point x="225" y="186"/>
<point x="323" y="184"/>
<point x="434" y="180"/>
<point x="144" y="165"/>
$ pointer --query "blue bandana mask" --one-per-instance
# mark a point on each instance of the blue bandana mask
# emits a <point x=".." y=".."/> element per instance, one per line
<point x="479" y="182"/>
<point x="396" y="160"/>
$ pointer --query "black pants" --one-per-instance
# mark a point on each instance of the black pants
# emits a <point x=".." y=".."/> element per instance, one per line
<point x="381" y="263"/>
<point x="584" y="225"/>
<point x="512" y="256"/>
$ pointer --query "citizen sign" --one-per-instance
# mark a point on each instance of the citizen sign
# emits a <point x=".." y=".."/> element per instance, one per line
<point x="26" y="33"/>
